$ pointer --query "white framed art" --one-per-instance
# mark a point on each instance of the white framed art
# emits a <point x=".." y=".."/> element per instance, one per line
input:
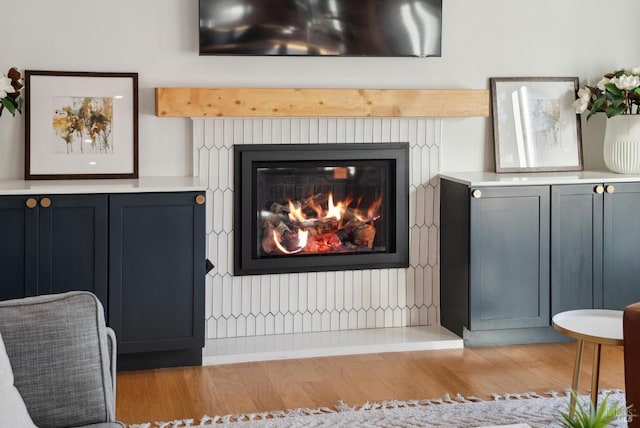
<point x="535" y="126"/>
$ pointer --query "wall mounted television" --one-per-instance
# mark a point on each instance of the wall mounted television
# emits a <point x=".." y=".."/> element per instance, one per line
<point x="380" y="28"/>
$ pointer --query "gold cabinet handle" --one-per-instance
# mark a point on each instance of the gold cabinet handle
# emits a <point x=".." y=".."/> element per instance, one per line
<point x="45" y="202"/>
<point x="31" y="203"/>
<point x="610" y="188"/>
<point x="600" y="189"/>
<point x="476" y="193"/>
<point x="200" y="199"/>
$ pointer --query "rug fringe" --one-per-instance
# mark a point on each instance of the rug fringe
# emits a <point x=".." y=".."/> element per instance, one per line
<point x="341" y="407"/>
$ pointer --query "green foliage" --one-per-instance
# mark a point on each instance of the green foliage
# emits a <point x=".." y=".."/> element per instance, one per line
<point x="590" y="417"/>
<point x="8" y="104"/>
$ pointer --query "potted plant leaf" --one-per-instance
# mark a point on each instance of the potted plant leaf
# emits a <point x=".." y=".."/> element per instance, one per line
<point x="588" y="416"/>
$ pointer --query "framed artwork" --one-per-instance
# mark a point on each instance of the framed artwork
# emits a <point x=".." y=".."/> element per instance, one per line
<point x="80" y="125"/>
<point x="535" y="127"/>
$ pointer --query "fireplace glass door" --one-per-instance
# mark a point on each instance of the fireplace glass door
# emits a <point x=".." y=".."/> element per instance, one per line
<point x="321" y="207"/>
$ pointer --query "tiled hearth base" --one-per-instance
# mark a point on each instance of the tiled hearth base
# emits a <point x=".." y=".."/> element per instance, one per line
<point x="326" y="344"/>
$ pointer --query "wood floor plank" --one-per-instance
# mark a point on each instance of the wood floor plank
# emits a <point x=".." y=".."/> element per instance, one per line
<point x="234" y="397"/>
<point x="294" y="379"/>
<point x="259" y="388"/>
<point x="168" y="394"/>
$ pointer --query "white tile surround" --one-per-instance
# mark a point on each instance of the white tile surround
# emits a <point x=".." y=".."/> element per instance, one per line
<point x="254" y="306"/>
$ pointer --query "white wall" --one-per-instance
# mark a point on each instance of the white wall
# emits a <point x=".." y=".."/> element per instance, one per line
<point x="158" y="39"/>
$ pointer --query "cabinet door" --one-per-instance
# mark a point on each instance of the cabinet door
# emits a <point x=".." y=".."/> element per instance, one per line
<point x="73" y="244"/>
<point x="509" y="273"/>
<point x="156" y="271"/>
<point x="621" y="245"/>
<point x="576" y="247"/>
<point x="18" y="252"/>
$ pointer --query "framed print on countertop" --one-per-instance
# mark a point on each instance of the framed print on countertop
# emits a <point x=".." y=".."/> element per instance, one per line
<point x="80" y="125"/>
<point x="535" y="126"/>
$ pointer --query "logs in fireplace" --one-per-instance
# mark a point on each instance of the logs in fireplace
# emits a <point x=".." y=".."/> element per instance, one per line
<point x="301" y="208"/>
<point x="318" y="225"/>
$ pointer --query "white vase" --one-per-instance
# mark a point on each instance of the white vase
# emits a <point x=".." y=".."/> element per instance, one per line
<point x="622" y="144"/>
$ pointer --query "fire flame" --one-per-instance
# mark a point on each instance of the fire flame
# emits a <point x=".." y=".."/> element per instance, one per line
<point x="372" y="212"/>
<point x="335" y="211"/>
<point x="295" y="212"/>
<point x="302" y="242"/>
<point x="304" y="233"/>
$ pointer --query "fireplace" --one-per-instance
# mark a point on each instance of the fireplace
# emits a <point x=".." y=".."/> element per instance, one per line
<point x="320" y="207"/>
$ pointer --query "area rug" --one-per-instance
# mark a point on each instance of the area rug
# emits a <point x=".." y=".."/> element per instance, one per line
<point x="535" y="410"/>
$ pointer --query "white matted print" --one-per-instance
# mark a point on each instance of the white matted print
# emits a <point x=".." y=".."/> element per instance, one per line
<point x="81" y="125"/>
<point x="535" y="126"/>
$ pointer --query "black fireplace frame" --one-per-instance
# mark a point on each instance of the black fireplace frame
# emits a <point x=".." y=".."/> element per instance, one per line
<point x="245" y="158"/>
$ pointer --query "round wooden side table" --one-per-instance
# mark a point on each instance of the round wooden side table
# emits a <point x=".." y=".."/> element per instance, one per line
<point x="597" y="326"/>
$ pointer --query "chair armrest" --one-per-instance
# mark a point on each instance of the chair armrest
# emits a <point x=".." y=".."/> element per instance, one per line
<point x="113" y="353"/>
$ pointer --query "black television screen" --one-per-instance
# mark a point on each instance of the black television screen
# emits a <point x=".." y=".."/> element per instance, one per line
<point x="383" y="28"/>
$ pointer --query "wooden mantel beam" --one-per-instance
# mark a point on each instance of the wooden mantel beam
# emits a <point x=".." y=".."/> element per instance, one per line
<point x="290" y="102"/>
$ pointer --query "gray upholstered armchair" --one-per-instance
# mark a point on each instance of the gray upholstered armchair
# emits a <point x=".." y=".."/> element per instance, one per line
<point x="62" y="357"/>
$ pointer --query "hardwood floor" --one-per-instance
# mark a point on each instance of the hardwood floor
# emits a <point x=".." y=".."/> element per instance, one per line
<point x="192" y="392"/>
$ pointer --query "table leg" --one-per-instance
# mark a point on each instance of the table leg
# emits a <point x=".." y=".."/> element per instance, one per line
<point x="595" y="374"/>
<point x="576" y="378"/>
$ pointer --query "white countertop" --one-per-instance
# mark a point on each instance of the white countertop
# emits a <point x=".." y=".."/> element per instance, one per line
<point x="478" y="179"/>
<point x="140" y="185"/>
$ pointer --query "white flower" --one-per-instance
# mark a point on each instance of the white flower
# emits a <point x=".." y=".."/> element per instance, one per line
<point x="622" y="100"/>
<point x="580" y="106"/>
<point x="582" y="103"/>
<point x="5" y="86"/>
<point x="626" y="82"/>
<point x="603" y="82"/>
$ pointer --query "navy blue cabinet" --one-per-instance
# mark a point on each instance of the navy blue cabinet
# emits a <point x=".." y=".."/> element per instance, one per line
<point x="156" y="278"/>
<point x="142" y="254"/>
<point x="621" y="245"/>
<point x="576" y="247"/>
<point x="19" y="249"/>
<point x="52" y="244"/>
<point x="514" y="256"/>
<point x="596" y="243"/>
<point x="509" y="250"/>
<point x="495" y="245"/>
